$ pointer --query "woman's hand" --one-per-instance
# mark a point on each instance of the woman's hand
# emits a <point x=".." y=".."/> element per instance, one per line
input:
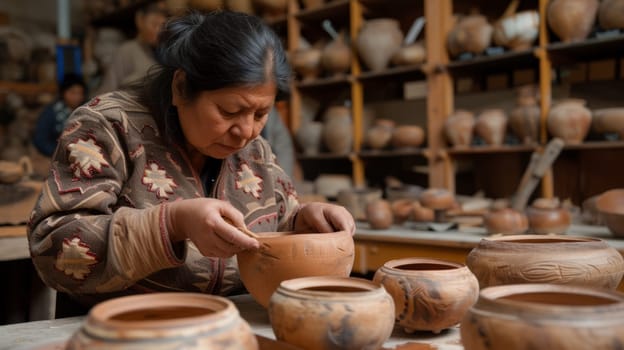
<point x="323" y="217"/>
<point x="203" y="221"/>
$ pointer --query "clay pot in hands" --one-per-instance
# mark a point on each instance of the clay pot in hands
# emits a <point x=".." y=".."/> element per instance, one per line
<point x="546" y="259"/>
<point x="307" y="62"/>
<point x="406" y="136"/>
<point x="458" y="128"/>
<point x="524" y="119"/>
<point x="506" y="221"/>
<point x="471" y="34"/>
<point x="324" y="313"/>
<point x="610" y="205"/>
<point x="548" y="216"/>
<point x="608" y="120"/>
<point x="544" y="316"/>
<point x="336" y="56"/>
<point x="379" y="214"/>
<point x="411" y="54"/>
<point x="285" y="255"/>
<point x="611" y="14"/>
<point x="518" y="31"/>
<point x="491" y="126"/>
<point x="308" y="136"/>
<point x="429" y="294"/>
<point x="164" y="321"/>
<point x="378" y="40"/>
<point x="569" y="120"/>
<point x="380" y="134"/>
<point x="572" y="20"/>
<point x="337" y="131"/>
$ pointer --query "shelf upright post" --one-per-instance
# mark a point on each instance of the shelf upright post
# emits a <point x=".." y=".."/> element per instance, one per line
<point x="293" y="33"/>
<point x="357" y="94"/>
<point x="439" y="15"/>
<point x="545" y="81"/>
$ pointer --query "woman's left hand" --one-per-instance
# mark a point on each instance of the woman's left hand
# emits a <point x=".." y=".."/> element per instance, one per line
<point x="323" y="217"/>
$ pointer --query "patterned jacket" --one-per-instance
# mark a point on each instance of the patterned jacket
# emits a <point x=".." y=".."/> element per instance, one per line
<point x="99" y="228"/>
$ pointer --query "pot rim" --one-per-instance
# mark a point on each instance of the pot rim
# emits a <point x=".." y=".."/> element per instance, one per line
<point x="296" y="287"/>
<point x="533" y="240"/>
<point x="272" y="236"/>
<point x="395" y="263"/>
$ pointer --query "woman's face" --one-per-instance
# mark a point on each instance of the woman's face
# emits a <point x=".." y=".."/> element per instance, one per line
<point x="221" y="122"/>
<point x="74" y="96"/>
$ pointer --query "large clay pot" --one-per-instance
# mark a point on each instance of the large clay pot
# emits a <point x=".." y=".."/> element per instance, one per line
<point x="544" y="316"/>
<point x="547" y="216"/>
<point x="471" y="34"/>
<point x="572" y="20"/>
<point x="569" y="120"/>
<point x="337" y="130"/>
<point x="458" y="128"/>
<point x="307" y="62"/>
<point x="611" y="14"/>
<point x="308" y="136"/>
<point x="407" y="136"/>
<point x="379" y="214"/>
<point x="517" y="32"/>
<point x="378" y="40"/>
<point x="608" y="120"/>
<point x="491" y="126"/>
<point x="164" y="321"/>
<point x="429" y="294"/>
<point x="546" y="259"/>
<point x="380" y="134"/>
<point x="610" y="205"/>
<point x="336" y="56"/>
<point x="524" y="119"/>
<point x="332" y="313"/>
<point x="506" y="221"/>
<point x="285" y="256"/>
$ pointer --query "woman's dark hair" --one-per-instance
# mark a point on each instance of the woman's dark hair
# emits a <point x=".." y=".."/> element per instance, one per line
<point x="216" y="50"/>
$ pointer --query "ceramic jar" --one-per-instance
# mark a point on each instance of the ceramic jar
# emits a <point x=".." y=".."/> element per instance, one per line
<point x="544" y="316"/>
<point x="405" y="136"/>
<point x="458" y="128"/>
<point x="429" y="294"/>
<point x="472" y="34"/>
<point x="332" y="313"/>
<point x="308" y="136"/>
<point x="336" y="56"/>
<point x="307" y="62"/>
<point x="337" y="130"/>
<point x="524" y="119"/>
<point x="491" y="126"/>
<point x="421" y="213"/>
<point x="569" y="120"/>
<point x="286" y="255"/>
<point x="608" y="120"/>
<point x="548" y="216"/>
<point x="506" y="221"/>
<point x="379" y="214"/>
<point x="572" y="20"/>
<point x="355" y="200"/>
<point x="380" y="134"/>
<point x="164" y="321"/>
<point x="378" y="40"/>
<point x="415" y="53"/>
<point x="401" y="210"/>
<point x="610" y="205"/>
<point x="611" y="14"/>
<point x="518" y="31"/>
<point x="546" y="259"/>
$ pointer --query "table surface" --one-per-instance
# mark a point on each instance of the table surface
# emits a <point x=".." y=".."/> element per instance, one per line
<point x="23" y="336"/>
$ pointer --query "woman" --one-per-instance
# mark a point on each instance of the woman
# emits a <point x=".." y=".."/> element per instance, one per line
<point x="144" y="181"/>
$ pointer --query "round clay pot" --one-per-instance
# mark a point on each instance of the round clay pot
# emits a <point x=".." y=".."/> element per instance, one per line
<point x="544" y="316"/>
<point x="429" y="294"/>
<point x="458" y="128"/>
<point x="307" y="62"/>
<point x="491" y="125"/>
<point x="285" y="255"/>
<point x="379" y="214"/>
<point x="378" y="40"/>
<point x="308" y="136"/>
<point x="437" y="199"/>
<point x="336" y="56"/>
<point x="610" y="205"/>
<point x="422" y="214"/>
<point x="546" y="259"/>
<point x="547" y="216"/>
<point x="506" y="221"/>
<point x="164" y="321"/>
<point x="401" y="210"/>
<point x="332" y="313"/>
<point x="517" y="32"/>
<point x="380" y="134"/>
<point x="524" y="119"/>
<point x="356" y="200"/>
<point x="337" y="130"/>
<point x="471" y="34"/>
<point x="569" y="120"/>
<point x="406" y="136"/>
<point x="411" y="54"/>
<point x="572" y="20"/>
<point x="608" y="120"/>
<point x="611" y="14"/>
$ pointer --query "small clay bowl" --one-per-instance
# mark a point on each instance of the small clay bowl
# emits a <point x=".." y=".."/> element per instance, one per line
<point x="610" y="205"/>
<point x="288" y="255"/>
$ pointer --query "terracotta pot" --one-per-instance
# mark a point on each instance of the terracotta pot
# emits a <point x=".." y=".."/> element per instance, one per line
<point x="437" y="199"/>
<point x="547" y="216"/>
<point x="379" y="214"/>
<point x="506" y="221"/>
<point x="458" y="128"/>
<point x="406" y="136"/>
<point x="569" y="120"/>
<point x="332" y="313"/>
<point x="471" y="34"/>
<point x="337" y="130"/>
<point x="517" y="32"/>
<point x="491" y="126"/>
<point x="378" y="40"/>
<point x="415" y="53"/>
<point x="429" y="294"/>
<point x="307" y="62"/>
<point x="546" y="259"/>
<point x="164" y="321"/>
<point x="544" y="316"/>
<point x="244" y="6"/>
<point x="524" y="119"/>
<point x="611" y="14"/>
<point x="380" y="134"/>
<point x="401" y="210"/>
<point x="291" y="255"/>
<point x="608" y="120"/>
<point x="308" y="136"/>
<point x="356" y="200"/>
<point x="422" y="214"/>
<point x="572" y="20"/>
<point x="336" y="56"/>
<point x="610" y="205"/>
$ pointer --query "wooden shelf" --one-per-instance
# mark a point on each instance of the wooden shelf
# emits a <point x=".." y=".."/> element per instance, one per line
<point x="498" y="63"/>
<point x="402" y="72"/>
<point x="23" y="88"/>
<point x="325" y="82"/>
<point x="277" y="21"/>
<point x="331" y="9"/>
<point x="587" y="50"/>
<point x="594" y="145"/>
<point x="491" y="149"/>
<point x="323" y="156"/>
<point x="401" y="152"/>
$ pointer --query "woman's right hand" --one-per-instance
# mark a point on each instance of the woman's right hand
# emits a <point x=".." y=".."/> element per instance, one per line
<point x="203" y="221"/>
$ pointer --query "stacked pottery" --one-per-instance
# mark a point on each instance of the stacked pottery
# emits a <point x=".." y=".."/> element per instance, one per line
<point x="407" y="136"/>
<point x="337" y="132"/>
<point x="336" y="56"/>
<point x="164" y="321"/>
<point x="458" y="128"/>
<point x="505" y="221"/>
<point x="429" y="294"/>
<point x="380" y="134"/>
<point x="608" y="120"/>
<point x="548" y="216"/>
<point x="322" y="313"/>
<point x="491" y="126"/>
<point x="569" y="120"/>
<point x="524" y="119"/>
<point x="572" y="20"/>
<point x="378" y="40"/>
<point x="544" y="316"/>
<point x="471" y="34"/>
<point x="611" y="14"/>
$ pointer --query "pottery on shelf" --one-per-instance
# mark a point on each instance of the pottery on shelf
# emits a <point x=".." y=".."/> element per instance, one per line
<point x="610" y="205"/>
<point x="458" y="128"/>
<point x="491" y="125"/>
<point x="332" y="313"/>
<point x="546" y="215"/>
<point x="307" y="62"/>
<point x="429" y="294"/>
<point x="336" y="56"/>
<point x="406" y="136"/>
<point x="518" y="31"/>
<point x="329" y="185"/>
<point x="12" y="172"/>
<point x="506" y="221"/>
<point x="611" y="14"/>
<point x="377" y="41"/>
<point x="402" y="210"/>
<point x="379" y="214"/>
<point x="379" y="135"/>
<point x="608" y="120"/>
<point x="164" y="321"/>
<point x="308" y="136"/>
<point x="337" y="130"/>
<point x="524" y="119"/>
<point x="572" y="20"/>
<point x="471" y="34"/>
<point x="415" y="53"/>
<point x="421" y="213"/>
<point x="544" y="316"/>
<point x="569" y="120"/>
<point x="546" y="259"/>
<point x="286" y="255"/>
<point x="355" y="200"/>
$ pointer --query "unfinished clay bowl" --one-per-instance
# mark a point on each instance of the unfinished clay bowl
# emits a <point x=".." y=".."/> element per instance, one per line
<point x="506" y="221"/>
<point x="287" y="255"/>
<point x="544" y="316"/>
<point x="610" y="205"/>
<point x="164" y="321"/>
<point x="429" y="294"/>
<point x="546" y="259"/>
<point x="332" y="313"/>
